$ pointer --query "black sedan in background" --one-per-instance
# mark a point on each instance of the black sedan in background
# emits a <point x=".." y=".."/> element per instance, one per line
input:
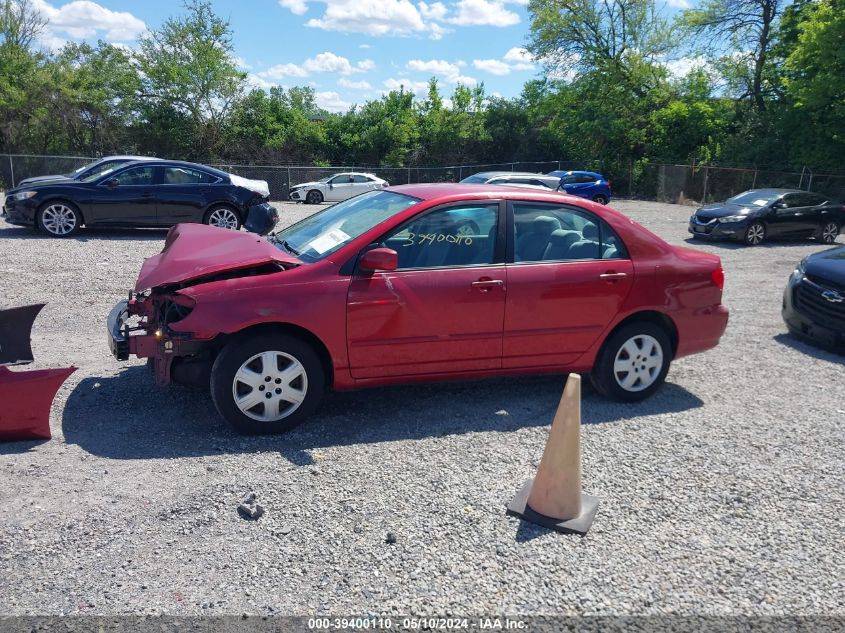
<point x="814" y="300"/>
<point x="761" y="214"/>
<point x="99" y="167"/>
<point x="155" y="193"/>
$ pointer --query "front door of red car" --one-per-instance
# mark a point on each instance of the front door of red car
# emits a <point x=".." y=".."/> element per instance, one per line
<point x="568" y="279"/>
<point x="442" y="310"/>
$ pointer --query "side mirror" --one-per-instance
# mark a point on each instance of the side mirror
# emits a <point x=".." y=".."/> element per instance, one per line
<point x="111" y="183"/>
<point x="379" y="259"/>
<point x="780" y="204"/>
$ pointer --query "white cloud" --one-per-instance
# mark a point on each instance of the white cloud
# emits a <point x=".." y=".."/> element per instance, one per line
<point x="441" y="68"/>
<point x="514" y="59"/>
<point x="240" y="62"/>
<point x="254" y="81"/>
<point x="331" y="101"/>
<point x="365" y="46"/>
<point x="297" y="7"/>
<point x="484" y="13"/>
<point x="83" y="19"/>
<point x="326" y="62"/>
<point x="519" y="59"/>
<point x="679" y="4"/>
<point x="371" y="17"/>
<point x="282" y="70"/>
<point x="679" y="68"/>
<point x="434" y="11"/>
<point x="354" y="85"/>
<point x="419" y="88"/>
<point x="492" y="66"/>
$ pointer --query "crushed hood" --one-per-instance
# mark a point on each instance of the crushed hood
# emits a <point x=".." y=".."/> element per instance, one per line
<point x="196" y="250"/>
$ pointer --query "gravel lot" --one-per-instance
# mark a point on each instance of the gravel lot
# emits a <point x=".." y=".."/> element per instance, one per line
<point x="723" y="494"/>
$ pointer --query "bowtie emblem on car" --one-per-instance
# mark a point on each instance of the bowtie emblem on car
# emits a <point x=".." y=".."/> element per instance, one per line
<point x="833" y="296"/>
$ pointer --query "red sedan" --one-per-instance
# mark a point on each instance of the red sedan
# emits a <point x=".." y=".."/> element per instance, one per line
<point x="418" y="283"/>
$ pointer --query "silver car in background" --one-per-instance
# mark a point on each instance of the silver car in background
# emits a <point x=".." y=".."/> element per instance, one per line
<point x="514" y="179"/>
<point x="336" y="187"/>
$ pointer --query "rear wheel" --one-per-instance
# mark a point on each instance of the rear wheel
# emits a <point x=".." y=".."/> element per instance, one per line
<point x="633" y="362"/>
<point x="59" y="219"/>
<point x="223" y="218"/>
<point x="600" y="198"/>
<point x="314" y="197"/>
<point x="828" y="232"/>
<point x="755" y="234"/>
<point x="267" y="383"/>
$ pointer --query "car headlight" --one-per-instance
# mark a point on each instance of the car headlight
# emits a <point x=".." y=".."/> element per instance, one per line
<point x="733" y="218"/>
<point x="799" y="268"/>
<point x="23" y="195"/>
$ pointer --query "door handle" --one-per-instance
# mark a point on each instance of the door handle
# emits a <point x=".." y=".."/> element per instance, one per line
<point x="612" y="276"/>
<point x="485" y="285"/>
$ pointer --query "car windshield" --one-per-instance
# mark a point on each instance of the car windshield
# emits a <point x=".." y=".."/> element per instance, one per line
<point x="321" y="234"/>
<point x="475" y="180"/>
<point x="754" y="198"/>
<point x="102" y="170"/>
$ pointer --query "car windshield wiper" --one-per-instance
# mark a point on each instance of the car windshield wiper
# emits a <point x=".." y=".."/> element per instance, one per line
<point x="290" y="248"/>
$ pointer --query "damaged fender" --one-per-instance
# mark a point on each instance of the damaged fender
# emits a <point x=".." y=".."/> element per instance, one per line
<point x="25" y="396"/>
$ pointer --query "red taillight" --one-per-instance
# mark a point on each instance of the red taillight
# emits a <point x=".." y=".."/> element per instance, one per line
<point x="609" y="184"/>
<point x="718" y="278"/>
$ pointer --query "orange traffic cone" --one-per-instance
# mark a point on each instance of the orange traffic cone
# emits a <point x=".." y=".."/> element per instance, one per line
<point x="553" y="498"/>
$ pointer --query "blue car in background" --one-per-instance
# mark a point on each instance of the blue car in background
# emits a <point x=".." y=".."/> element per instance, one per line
<point x="586" y="184"/>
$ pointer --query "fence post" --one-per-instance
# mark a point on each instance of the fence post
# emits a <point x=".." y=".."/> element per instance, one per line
<point x="558" y="164"/>
<point x="409" y="175"/>
<point x="630" y="177"/>
<point x="754" y="182"/>
<point x="460" y="173"/>
<point x="12" y="170"/>
<point x="704" y="194"/>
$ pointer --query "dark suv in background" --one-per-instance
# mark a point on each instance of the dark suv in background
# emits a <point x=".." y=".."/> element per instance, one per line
<point x="814" y="300"/>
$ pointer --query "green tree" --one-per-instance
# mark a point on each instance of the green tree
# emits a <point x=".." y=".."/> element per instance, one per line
<point x="188" y="65"/>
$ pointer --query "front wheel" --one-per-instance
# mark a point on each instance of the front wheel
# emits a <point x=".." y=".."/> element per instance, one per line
<point x="59" y="219"/>
<point x="223" y="218"/>
<point x="633" y="362"/>
<point x="828" y="233"/>
<point x="267" y="383"/>
<point x="314" y="197"/>
<point x="600" y="198"/>
<point x="755" y="234"/>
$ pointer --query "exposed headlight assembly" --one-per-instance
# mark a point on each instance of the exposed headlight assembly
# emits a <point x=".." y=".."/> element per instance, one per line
<point x="23" y="195"/>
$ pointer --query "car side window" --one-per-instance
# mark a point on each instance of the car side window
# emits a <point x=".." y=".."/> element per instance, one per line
<point x="136" y="176"/>
<point x="570" y="179"/>
<point x="792" y="200"/>
<point x="359" y="179"/>
<point x="186" y="176"/>
<point x="544" y="233"/>
<point x="457" y="236"/>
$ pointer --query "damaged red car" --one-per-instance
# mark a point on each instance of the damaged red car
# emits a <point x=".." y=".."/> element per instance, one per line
<point x="418" y="283"/>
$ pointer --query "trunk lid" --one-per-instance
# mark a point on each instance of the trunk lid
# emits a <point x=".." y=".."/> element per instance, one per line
<point x="196" y="250"/>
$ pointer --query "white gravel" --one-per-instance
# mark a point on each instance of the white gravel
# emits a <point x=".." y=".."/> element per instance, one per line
<point x="721" y="495"/>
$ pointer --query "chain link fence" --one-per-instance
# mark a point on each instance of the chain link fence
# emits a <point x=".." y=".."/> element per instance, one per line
<point x="643" y="181"/>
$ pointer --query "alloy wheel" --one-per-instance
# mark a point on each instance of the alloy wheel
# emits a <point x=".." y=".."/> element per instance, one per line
<point x="58" y="219"/>
<point x="638" y="362"/>
<point x="224" y="218"/>
<point x="756" y="233"/>
<point x="270" y="386"/>
<point x="830" y="232"/>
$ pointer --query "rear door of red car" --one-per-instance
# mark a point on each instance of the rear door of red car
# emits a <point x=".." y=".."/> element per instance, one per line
<point x="443" y="309"/>
<point x="568" y="276"/>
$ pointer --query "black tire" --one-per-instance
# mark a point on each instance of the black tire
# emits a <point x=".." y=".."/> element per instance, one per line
<point x="828" y="232"/>
<point x="606" y="380"/>
<point x="755" y="234"/>
<point x="59" y="218"/>
<point x="224" y="217"/>
<point x="600" y="198"/>
<point x="313" y="197"/>
<point x="234" y="357"/>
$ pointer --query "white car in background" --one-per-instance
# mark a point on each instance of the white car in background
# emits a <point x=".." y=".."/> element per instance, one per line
<point x="514" y="179"/>
<point x="336" y="187"/>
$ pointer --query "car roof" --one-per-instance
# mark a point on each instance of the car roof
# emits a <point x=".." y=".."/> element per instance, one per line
<point x="433" y="191"/>
<point x="182" y="163"/>
<point x="499" y="174"/>
<point x="127" y="157"/>
<point x="773" y="191"/>
<point x="576" y="171"/>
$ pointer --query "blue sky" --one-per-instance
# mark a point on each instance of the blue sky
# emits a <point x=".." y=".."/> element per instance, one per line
<point x="349" y="51"/>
